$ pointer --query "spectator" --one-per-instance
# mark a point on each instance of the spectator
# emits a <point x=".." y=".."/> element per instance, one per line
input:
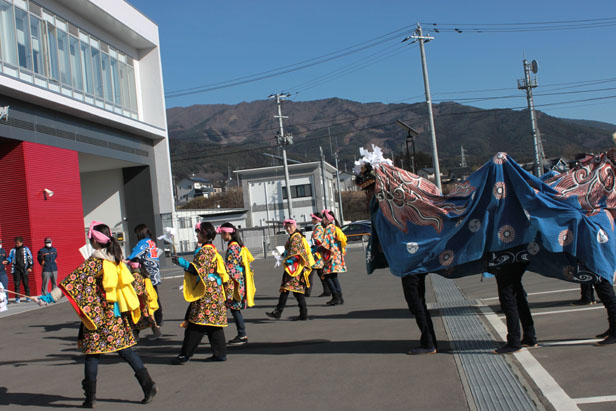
<point x="21" y="261"/>
<point x="47" y="258"/>
<point x="4" y="278"/>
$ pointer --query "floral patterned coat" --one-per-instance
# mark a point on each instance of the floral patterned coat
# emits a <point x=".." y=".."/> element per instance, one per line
<point x="84" y="289"/>
<point x="333" y="256"/>
<point x="145" y="301"/>
<point x="317" y="240"/>
<point x="210" y="309"/>
<point x="236" y="287"/>
<point x="294" y="277"/>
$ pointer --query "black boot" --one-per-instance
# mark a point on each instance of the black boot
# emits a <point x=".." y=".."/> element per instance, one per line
<point x="275" y="314"/>
<point x="89" y="389"/>
<point x="334" y="299"/>
<point x="326" y="292"/>
<point x="340" y="299"/>
<point x="147" y="385"/>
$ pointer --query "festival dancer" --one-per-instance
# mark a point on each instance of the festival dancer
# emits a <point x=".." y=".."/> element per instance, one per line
<point x="241" y="284"/>
<point x="148" y="298"/>
<point x="332" y="248"/>
<point x="317" y="239"/>
<point x="146" y="254"/>
<point x="297" y="268"/>
<point x="101" y="292"/>
<point x="204" y="290"/>
<point x="605" y="292"/>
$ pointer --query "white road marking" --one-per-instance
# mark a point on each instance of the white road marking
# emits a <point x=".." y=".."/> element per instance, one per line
<point x="539" y="293"/>
<point x="562" y="311"/>
<point x="545" y="382"/>
<point x="592" y="400"/>
<point x="571" y="342"/>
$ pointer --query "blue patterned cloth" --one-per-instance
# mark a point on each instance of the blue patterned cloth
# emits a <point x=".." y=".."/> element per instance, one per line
<point x="501" y="214"/>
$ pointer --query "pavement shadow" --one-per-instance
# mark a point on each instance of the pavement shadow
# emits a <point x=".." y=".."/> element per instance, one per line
<point x="373" y="314"/>
<point x="36" y="399"/>
<point x="559" y="303"/>
<point x="58" y="327"/>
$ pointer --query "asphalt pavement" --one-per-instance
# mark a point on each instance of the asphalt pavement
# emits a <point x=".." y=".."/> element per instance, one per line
<point x="349" y="357"/>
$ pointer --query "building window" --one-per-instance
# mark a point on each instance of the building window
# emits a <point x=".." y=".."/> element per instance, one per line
<point x="86" y="68"/>
<point x="185" y="222"/>
<point x="298" y="191"/>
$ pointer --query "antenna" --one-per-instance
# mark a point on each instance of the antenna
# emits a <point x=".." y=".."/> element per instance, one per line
<point x="534" y="66"/>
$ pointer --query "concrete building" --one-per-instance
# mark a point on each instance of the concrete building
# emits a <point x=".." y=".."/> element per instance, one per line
<point x="86" y="134"/>
<point x="265" y="194"/>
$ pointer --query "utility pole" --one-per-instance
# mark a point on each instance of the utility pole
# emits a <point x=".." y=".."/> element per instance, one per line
<point x="527" y="84"/>
<point x="463" y="160"/>
<point x="323" y="179"/>
<point x="283" y="140"/>
<point x="340" y="212"/>
<point x="418" y="36"/>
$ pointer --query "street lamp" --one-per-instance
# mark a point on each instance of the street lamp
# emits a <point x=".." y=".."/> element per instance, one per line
<point x="412" y="133"/>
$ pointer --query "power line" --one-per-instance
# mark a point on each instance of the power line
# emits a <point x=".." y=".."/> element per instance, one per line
<point x="292" y="67"/>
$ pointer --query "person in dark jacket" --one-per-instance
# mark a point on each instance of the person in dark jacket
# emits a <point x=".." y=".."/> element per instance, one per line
<point x="4" y="278"/>
<point x="21" y="261"/>
<point x="47" y="258"/>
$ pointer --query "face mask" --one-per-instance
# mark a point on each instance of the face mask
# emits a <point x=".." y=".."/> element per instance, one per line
<point x="48" y="245"/>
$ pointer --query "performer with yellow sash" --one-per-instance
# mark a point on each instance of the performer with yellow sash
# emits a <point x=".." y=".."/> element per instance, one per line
<point x="148" y="298"/>
<point x="204" y="290"/>
<point x="297" y="267"/>
<point x="101" y="292"/>
<point x="238" y="261"/>
<point x="317" y="238"/>
<point x="333" y="250"/>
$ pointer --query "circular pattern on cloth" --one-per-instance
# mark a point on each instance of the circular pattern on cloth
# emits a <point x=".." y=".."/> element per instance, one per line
<point x="506" y="234"/>
<point x="474" y="225"/>
<point x="602" y="237"/>
<point x="499" y="158"/>
<point x="499" y="191"/>
<point x="565" y="237"/>
<point x="446" y="258"/>
<point x="412" y="248"/>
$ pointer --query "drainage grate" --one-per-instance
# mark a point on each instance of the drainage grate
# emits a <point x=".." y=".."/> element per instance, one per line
<point x="491" y="380"/>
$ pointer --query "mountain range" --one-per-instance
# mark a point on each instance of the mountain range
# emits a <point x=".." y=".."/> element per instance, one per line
<point x="213" y="139"/>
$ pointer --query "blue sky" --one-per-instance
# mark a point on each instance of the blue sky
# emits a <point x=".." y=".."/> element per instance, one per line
<point x="206" y="42"/>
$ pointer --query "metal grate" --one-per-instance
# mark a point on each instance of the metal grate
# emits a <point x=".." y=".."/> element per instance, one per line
<point x="491" y="380"/>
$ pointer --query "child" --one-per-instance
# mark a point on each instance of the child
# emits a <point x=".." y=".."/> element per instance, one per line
<point x="241" y="286"/>
<point x="203" y="288"/>
<point x="297" y="268"/>
<point x="100" y="291"/>
<point x="332" y="247"/>
<point x="147" y="298"/>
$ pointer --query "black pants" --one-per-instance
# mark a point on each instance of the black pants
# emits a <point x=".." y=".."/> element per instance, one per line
<point x="333" y="283"/>
<point x="414" y="287"/>
<point x="514" y="304"/>
<point x="301" y="302"/>
<point x="586" y="293"/>
<point x="127" y="354"/>
<point x="605" y="292"/>
<point x="195" y="332"/>
<point x="21" y="276"/>
<point x="158" y="314"/>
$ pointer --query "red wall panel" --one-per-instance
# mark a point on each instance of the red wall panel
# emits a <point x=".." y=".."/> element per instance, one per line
<point x="26" y="169"/>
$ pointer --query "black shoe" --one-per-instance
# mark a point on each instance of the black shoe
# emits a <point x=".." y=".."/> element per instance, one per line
<point x="529" y="343"/>
<point x="147" y="385"/>
<point x="216" y="359"/>
<point x="300" y="318"/>
<point x="274" y="314"/>
<point x="422" y="350"/>
<point x="238" y="341"/>
<point x="506" y="349"/>
<point x="583" y="302"/>
<point x="340" y="299"/>
<point x="334" y="299"/>
<point x="603" y="334"/>
<point x="89" y="389"/>
<point x="611" y="339"/>
<point x="180" y="359"/>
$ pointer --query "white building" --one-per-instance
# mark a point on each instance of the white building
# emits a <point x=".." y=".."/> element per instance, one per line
<point x="193" y="187"/>
<point x="86" y="134"/>
<point x="265" y="195"/>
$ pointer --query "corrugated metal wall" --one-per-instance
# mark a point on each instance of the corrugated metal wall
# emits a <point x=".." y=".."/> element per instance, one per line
<point x="26" y="169"/>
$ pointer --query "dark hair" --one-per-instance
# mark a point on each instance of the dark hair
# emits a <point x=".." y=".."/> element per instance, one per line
<point x="316" y="213"/>
<point x="143" y="231"/>
<point x="235" y="235"/>
<point x="19" y="240"/>
<point x="112" y="247"/>
<point x="333" y="215"/>
<point x="208" y="231"/>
